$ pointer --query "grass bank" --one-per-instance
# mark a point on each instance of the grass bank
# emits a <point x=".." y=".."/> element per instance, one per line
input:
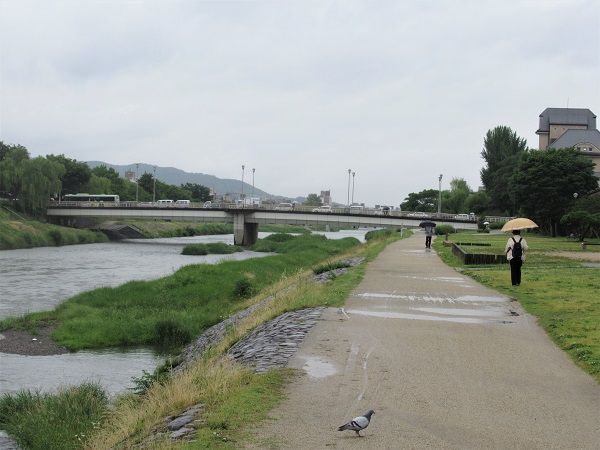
<point x="170" y="310"/>
<point x="23" y="232"/>
<point x="163" y="228"/>
<point x="215" y="248"/>
<point x="562" y="293"/>
<point x="233" y="396"/>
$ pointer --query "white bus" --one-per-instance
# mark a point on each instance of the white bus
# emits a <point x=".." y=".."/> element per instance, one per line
<point x="99" y="199"/>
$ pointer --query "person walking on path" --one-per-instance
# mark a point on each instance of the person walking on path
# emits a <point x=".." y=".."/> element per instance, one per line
<point x="428" y="235"/>
<point x="515" y="254"/>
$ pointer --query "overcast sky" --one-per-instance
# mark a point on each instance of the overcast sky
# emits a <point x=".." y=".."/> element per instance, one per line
<point x="302" y="91"/>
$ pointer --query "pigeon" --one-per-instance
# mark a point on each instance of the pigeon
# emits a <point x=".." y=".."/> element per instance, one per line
<point x="358" y="423"/>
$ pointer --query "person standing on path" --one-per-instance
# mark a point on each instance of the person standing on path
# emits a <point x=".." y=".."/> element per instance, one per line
<point x="515" y="254"/>
<point x="428" y="235"/>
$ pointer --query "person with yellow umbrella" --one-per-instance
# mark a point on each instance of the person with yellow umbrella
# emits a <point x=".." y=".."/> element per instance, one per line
<point x="516" y="247"/>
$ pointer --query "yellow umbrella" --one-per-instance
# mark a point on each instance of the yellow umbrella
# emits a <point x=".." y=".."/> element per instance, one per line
<point x="520" y="223"/>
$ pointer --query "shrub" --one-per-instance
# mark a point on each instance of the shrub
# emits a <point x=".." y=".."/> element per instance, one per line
<point x="379" y="234"/>
<point x="56" y="236"/>
<point x="265" y="246"/>
<point x="443" y="229"/>
<point x="330" y="266"/>
<point x="169" y="334"/>
<point x="195" y="249"/>
<point x="279" y="237"/>
<point x="496" y="225"/>
<point x="243" y="288"/>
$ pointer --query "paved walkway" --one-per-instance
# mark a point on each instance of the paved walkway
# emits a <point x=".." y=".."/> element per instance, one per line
<point x="443" y="361"/>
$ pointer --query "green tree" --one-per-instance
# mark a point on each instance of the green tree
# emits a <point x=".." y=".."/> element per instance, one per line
<point x="40" y="179"/>
<point x="425" y="201"/>
<point x="313" y="200"/>
<point x="76" y="174"/>
<point x="582" y="223"/>
<point x="11" y="159"/>
<point x="544" y="184"/>
<point x="456" y="198"/>
<point x="477" y="202"/>
<point x="99" y="185"/>
<point x="199" y="192"/>
<point x="502" y="151"/>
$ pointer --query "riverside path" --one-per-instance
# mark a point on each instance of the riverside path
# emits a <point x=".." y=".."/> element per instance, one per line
<point x="444" y="362"/>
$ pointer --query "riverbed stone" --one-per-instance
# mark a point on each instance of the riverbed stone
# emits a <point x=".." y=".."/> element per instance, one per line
<point x="179" y="422"/>
<point x="181" y="433"/>
<point x="271" y="344"/>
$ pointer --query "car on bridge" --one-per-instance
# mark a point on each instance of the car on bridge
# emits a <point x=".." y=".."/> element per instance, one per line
<point x="323" y="209"/>
<point x="418" y="214"/>
<point x="284" y="207"/>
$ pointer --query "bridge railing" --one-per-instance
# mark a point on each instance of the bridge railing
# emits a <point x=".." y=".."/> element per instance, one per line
<point x="413" y="215"/>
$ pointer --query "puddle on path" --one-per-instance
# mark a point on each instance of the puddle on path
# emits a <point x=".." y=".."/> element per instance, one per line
<point x="397" y="315"/>
<point x="315" y="367"/>
<point x="463" y="312"/>
<point x="433" y="299"/>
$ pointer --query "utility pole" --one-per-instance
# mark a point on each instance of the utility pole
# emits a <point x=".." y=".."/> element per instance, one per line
<point x="349" y="172"/>
<point x="440" y="195"/>
<point x="242" y="196"/>
<point x="154" y="186"/>
<point x="137" y="183"/>
<point x="353" y="173"/>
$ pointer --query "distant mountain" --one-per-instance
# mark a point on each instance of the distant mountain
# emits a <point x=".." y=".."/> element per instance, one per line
<point x="172" y="175"/>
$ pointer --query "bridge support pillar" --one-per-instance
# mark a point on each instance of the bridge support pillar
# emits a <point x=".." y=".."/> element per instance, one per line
<point x="244" y="233"/>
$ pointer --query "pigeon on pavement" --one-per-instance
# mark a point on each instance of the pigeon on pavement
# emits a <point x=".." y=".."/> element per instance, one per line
<point x="358" y="423"/>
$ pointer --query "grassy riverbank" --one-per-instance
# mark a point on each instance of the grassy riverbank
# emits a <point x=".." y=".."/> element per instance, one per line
<point x="561" y="292"/>
<point x="233" y="397"/>
<point x="18" y="231"/>
<point x="170" y="310"/>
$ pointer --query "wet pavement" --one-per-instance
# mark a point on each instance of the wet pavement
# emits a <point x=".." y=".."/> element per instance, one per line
<point x="443" y="361"/>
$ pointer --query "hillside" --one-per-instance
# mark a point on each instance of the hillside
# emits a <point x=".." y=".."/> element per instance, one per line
<point x="172" y="175"/>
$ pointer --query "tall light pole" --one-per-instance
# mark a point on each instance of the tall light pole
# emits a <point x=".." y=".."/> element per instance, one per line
<point x="349" y="172"/>
<point x="137" y="183"/>
<point x="353" y="173"/>
<point x="242" y="196"/>
<point x="154" y="186"/>
<point x="253" y="170"/>
<point x="440" y="194"/>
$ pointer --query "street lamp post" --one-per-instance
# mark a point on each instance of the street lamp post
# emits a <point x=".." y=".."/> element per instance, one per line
<point x="154" y="186"/>
<point x="440" y="194"/>
<point x="137" y="182"/>
<point x="242" y="196"/>
<point x="253" y="170"/>
<point x="349" y="172"/>
<point x="353" y="173"/>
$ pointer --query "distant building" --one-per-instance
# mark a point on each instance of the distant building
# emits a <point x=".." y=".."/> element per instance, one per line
<point x="130" y="175"/>
<point x="570" y="127"/>
<point x="325" y="197"/>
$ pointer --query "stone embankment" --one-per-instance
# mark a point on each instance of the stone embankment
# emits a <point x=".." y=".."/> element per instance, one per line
<point x="269" y="346"/>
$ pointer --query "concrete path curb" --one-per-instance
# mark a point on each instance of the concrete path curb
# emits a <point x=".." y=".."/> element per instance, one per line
<point x="443" y="361"/>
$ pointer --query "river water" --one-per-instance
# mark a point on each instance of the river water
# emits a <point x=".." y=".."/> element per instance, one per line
<point x="40" y="278"/>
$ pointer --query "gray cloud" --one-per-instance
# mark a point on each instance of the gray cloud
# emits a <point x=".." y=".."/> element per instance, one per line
<point x="302" y="91"/>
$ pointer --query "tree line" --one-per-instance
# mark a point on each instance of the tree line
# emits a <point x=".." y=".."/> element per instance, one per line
<point x="32" y="182"/>
<point x="554" y="187"/>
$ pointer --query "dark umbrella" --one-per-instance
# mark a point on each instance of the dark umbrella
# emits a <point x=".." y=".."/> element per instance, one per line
<point x="427" y="223"/>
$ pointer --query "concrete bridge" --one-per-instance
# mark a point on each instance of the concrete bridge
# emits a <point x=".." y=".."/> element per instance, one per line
<point x="246" y="220"/>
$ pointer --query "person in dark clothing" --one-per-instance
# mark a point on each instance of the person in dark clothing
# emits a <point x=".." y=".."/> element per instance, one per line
<point x="428" y="235"/>
<point x="515" y="254"/>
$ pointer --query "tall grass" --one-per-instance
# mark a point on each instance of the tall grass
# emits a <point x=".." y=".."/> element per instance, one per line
<point x="218" y="248"/>
<point x="18" y="233"/>
<point x="53" y="421"/>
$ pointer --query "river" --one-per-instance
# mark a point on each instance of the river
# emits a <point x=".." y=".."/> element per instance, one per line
<point x="38" y="279"/>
